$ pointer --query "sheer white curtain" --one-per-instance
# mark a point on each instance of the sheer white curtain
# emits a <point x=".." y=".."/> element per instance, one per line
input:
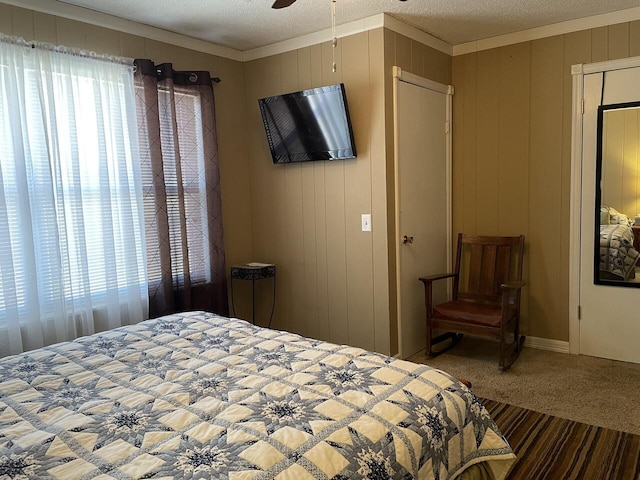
<point x="72" y="257"/>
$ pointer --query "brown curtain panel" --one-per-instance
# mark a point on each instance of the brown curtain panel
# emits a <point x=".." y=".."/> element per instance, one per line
<point x="181" y="190"/>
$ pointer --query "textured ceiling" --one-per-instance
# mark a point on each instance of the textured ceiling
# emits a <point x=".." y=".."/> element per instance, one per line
<point x="247" y="24"/>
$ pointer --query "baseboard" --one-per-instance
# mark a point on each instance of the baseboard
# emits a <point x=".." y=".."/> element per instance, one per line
<point x="547" y="344"/>
<point x="538" y="343"/>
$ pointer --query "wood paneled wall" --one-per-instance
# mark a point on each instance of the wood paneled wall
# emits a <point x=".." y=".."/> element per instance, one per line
<point x="229" y="95"/>
<point x="512" y="154"/>
<point x="332" y="277"/>
<point x="621" y="161"/>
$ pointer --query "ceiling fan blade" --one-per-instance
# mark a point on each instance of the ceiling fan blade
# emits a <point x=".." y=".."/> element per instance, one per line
<point x="282" y="3"/>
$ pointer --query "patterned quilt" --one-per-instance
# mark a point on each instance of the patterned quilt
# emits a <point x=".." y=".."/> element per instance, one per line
<point x="617" y="255"/>
<point x="196" y="395"/>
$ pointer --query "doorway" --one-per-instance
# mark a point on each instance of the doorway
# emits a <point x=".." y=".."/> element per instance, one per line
<point x="603" y="269"/>
<point x="422" y="114"/>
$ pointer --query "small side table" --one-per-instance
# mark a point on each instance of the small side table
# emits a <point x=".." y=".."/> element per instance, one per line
<point x="254" y="271"/>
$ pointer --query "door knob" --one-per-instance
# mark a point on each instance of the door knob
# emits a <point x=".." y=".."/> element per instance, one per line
<point x="406" y="239"/>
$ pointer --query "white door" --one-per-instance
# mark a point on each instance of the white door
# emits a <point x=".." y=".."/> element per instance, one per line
<point x="423" y="226"/>
<point x="609" y="322"/>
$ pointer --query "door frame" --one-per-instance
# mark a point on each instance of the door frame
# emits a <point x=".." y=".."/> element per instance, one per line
<point x="400" y="75"/>
<point x="578" y="72"/>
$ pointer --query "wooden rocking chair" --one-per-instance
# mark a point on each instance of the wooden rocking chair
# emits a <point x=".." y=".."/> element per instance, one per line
<point x="486" y="296"/>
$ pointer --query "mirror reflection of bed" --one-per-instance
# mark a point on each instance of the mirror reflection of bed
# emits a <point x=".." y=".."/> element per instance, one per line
<point x="619" y="243"/>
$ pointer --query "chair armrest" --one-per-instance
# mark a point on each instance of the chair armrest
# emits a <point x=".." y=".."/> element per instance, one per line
<point x="438" y="276"/>
<point x="513" y="285"/>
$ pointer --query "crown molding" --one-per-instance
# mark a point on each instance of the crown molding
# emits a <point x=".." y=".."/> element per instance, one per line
<point x="351" y="28"/>
<point x="85" y="15"/>
<point x="586" y="23"/>
<point x="112" y="22"/>
<point x="344" y="30"/>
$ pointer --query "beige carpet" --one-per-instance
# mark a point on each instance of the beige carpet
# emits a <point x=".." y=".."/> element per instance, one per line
<point x="589" y="390"/>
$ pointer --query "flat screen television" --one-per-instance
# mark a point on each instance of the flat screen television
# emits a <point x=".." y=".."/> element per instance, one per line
<point x="309" y="125"/>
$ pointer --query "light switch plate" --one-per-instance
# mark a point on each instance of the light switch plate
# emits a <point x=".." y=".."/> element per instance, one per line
<point x="366" y="222"/>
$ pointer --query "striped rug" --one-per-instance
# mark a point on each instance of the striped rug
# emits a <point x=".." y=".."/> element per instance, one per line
<point x="550" y="448"/>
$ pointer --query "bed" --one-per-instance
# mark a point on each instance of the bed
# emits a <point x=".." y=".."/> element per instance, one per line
<point x="196" y="395"/>
<point x="618" y="258"/>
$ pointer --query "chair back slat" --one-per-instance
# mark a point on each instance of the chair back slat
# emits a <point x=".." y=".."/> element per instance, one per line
<point x="475" y="269"/>
<point x="503" y="265"/>
<point x="488" y="275"/>
<point x="492" y="261"/>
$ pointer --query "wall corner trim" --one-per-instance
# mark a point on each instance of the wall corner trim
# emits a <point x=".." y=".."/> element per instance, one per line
<point x="413" y="33"/>
<point x="549" y="344"/>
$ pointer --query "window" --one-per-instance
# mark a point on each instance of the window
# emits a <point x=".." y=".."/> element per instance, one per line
<point x="184" y="178"/>
<point x="71" y="219"/>
<point x="191" y="165"/>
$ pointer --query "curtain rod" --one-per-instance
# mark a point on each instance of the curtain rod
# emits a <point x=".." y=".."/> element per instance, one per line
<point x="76" y="52"/>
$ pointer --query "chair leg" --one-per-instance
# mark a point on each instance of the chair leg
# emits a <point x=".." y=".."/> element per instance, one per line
<point x="516" y="347"/>
<point x="429" y="350"/>
<point x="510" y="353"/>
<point x="518" y="336"/>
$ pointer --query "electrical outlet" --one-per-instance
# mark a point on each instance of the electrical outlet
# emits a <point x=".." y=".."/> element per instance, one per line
<point x="366" y="222"/>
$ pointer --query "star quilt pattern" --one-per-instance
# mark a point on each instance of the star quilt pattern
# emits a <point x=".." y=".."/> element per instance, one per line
<point x="196" y="395"/>
<point x="617" y="254"/>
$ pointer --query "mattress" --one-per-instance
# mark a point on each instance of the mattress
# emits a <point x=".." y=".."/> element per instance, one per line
<point x="196" y="395"/>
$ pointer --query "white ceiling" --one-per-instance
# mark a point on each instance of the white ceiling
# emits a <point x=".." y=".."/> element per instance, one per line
<point x="248" y="24"/>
